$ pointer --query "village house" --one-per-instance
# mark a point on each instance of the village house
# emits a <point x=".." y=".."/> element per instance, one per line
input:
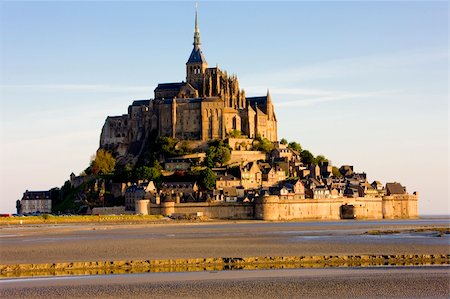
<point x="395" y="189"/>
<point x="366" y="190"/>
<point x="281" y="151"/>
<point x="319" y="192"/>
<point x="273" y="176"/>
<point x="136" y="192"/>
<point x="326" y="169"/>
<point x="227" y="180"/>
<point x="36" y="202"/>
<point x="183" y="188"/>
<point x="177" y="164"/>
<point x="351" y="192"/>
<point x="251" y="176"/>
<point x="314" y="171"/>
<point x="296" y="186"/>
<point x="346" y="170"/>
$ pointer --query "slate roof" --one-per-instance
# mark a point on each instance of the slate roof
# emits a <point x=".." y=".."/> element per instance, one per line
<point x="174" y="185"/>
<point x="259" y="103"/>
<point x="141" y="103"/>
<point x="257" y="100"/>
<point x="134" y="188"/>
<point x="395" y="188"/>
<point x="170" y="86"/>
<point x="31" y="195"/>
<point x="196" y="56"/>
<point x="228" y="177"/>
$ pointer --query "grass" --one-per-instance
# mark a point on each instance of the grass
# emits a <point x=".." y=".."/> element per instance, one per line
<point x="50" y="219"/>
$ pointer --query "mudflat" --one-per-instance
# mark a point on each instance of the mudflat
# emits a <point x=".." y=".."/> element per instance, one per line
<point x="414" y="282"/>
<point x="109" y="242"/>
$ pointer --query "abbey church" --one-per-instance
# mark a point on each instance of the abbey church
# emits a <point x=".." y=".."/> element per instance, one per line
<point x="208" y="105"/>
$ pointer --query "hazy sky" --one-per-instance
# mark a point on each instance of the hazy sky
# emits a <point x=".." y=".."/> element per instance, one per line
<point x="363" y="83"/>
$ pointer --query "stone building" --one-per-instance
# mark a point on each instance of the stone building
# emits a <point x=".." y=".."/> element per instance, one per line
<point x="136" y="192"/>
<point x="36" y="202"/>
<point x="208" y="105"/>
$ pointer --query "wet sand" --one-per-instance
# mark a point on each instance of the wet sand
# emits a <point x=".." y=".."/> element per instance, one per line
<point x="98" y="242"/>
<point x="415" y="282"/>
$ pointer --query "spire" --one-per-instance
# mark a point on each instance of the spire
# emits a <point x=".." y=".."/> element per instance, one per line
<point x="196" y="54"/>
<point x="197" y="31"/>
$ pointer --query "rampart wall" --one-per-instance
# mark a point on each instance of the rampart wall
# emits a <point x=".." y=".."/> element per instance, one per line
<point x="275" y="208"/>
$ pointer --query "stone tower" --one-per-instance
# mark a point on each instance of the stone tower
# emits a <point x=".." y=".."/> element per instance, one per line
<point x="196" y="65"/>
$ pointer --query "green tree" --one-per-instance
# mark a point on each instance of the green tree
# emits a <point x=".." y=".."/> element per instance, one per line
<point x="336" y="172"/>
<point x="167" y="146"/>
<point x="207" y="179"/>
<point x="307" y="157"/>
<point x="103" y="163"/>
<point x="320" y="159"/>
<point x="264" y="145"/>
<point x="283" y="141"/>
<point x="184" y="148"/>
<point x="295" y="146"/>
<point x="217" y="154"/>
<point x="148" y="173"/>
<point x="235" y="134"/>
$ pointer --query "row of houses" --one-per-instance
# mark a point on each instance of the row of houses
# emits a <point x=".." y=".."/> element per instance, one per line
<point x="281" y="173"/>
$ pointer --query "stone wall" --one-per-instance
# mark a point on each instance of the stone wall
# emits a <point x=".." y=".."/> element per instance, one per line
<point x="110" y="210"/>
<point x="210" y="210"/>
<point x="279" y="208"/>
<point x="400" y="206"/>
<point x="246" y="156"/>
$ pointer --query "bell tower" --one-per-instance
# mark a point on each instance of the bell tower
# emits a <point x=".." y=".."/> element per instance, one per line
<point x="196" y="65"/>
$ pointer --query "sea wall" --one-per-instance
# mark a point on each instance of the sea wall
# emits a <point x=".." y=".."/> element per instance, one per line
<point x="400" y="206"/>
<point x="281" y="208"/>
<point x="208" y="209"/>
<point x="120" y="210"/>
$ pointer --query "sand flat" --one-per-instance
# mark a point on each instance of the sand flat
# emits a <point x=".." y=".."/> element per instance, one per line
<point x="100" y="242"/>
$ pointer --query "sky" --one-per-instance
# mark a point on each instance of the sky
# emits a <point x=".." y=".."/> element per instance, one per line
<point x="362" y="83"/>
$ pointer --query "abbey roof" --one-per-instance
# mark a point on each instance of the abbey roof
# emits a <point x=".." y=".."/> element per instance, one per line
<point x="196" y="56"/>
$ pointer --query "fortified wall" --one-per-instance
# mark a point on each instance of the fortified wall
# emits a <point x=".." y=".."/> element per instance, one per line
<point x="277" y="208"/>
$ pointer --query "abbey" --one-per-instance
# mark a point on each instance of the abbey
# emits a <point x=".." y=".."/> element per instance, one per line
<point x="208" y="105"/>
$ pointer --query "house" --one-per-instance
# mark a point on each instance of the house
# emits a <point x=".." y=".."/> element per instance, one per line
<point x="395" y="189"/>
<point x="318" y="192"/>
<point x="314" y="171"/>
<point x="36" y="202"/>
<point x="313" y="183"/>
<point x="326" y="169"/>
<point x="281" y="151"/>
<point x="338" y="183"/>
<point x="294" y="186"/>
<point x="177" y="164"/>
<point x="366" y="190"/>
<point x="251" y="176"/>
<point x="185" y="188"/>
<point x="281" y="190"/>
<point x="136" y="192"/>
<point x="346" y="170"/>
<point x="273" y="176"/>
<point x="351" y="192"/>
<point x="230" y="194"/>
<point x="227" y="180"/>
<point x="336" y="193"/>
<point x="377" y="185"/>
